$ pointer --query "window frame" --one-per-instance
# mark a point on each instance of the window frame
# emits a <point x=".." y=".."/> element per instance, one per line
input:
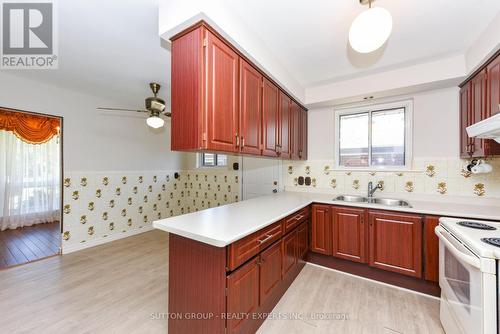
<point x="370" y="108"/>
<point x="200" y="160"/>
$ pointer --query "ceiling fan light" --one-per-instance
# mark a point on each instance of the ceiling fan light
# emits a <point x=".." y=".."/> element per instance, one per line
<point x="155" y="122"/>
<point x="370" y="30"/>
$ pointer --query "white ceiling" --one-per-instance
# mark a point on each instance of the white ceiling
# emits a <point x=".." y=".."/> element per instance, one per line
<point x="112" y="48"/>
<point x="311" y="37"/>
<point x="109" y="48"/>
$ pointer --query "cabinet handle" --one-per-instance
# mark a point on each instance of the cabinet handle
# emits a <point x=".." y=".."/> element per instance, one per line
<point x="237" y="140"/>
<point x="261" y="241"/>
<point x="242" y="142"/>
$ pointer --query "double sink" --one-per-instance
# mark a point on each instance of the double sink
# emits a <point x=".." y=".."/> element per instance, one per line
<point x="373" y="200"/>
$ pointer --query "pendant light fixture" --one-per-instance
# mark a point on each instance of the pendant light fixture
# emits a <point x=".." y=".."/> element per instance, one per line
<point x="370" y="29"/>
<point x="154" y="120"/>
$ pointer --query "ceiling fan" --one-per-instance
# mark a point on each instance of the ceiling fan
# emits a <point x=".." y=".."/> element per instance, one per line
<point x="155" y="107"/>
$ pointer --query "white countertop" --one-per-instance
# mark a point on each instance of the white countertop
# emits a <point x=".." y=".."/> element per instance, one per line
<point x="223" y="225"/>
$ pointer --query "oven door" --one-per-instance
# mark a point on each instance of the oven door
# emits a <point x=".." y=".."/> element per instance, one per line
<point x="463" y="286"/>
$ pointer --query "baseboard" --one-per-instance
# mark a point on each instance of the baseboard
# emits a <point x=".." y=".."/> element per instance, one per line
<point x="103" y="240"/>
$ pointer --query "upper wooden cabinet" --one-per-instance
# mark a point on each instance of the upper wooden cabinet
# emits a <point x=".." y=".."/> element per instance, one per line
<point x="396" y="242"/>
<point x="349" y="234"/>
<point x="284" y="128"/>
<point x="493" y="91"/>
<point x="479" y="99"/>
<point x="270" y="119"/>
<point x="303" y="135"/>
<point x="222" y="102"/>
<point x="465" y="121"/>
<point x="222" y="96"/>
<point x="295" y="125"/>
<point x="250" y="109"/>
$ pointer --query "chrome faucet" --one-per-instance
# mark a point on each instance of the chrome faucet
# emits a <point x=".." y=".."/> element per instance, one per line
<point x="371" y="190"/>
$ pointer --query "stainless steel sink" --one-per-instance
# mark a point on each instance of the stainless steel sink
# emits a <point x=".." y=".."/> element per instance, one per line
<point x="351" y="198"/>
<point x="373" y="200"/>
<point x="389" y="202"/>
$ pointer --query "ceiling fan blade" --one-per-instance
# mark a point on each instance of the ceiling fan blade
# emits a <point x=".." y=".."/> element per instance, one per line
<point x="121" y="109"/>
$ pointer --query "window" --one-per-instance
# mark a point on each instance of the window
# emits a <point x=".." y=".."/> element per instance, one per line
<point x="212" y="160"/>
<point x="374" y="137"/>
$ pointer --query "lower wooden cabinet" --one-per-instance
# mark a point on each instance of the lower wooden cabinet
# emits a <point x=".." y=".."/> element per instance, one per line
<point x="348" y="234"/>
<point x="302" y="240"/>
<point x="242" y="296"/>
<point x="289" y="248"/>
<point x="321" y="222"/>
<point x="431" y="249"/>
<point x="270" y="271"/>
<point x="396" y="242"/>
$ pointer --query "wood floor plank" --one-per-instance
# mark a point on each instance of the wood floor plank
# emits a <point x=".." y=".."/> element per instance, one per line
<point x="121" y="287"/>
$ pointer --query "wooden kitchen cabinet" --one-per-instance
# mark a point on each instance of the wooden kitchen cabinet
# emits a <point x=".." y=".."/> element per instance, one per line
<point x="222" y="95"/>
<point x="222" y="102"/>
<point x="250" y="109"/>
<point x="465" y="121"/>
<point x="479" y="99"/>
<point x="242" y="297"/>
<point x="321" y="222"/>
<point x="493" y="91"/>
<point x="302" y="241"/>
<point x="270" y="271"/>
<point x="289" y="248"/>
<point x="295" y="125"/>
<point x="396" y="242"/>
<point x="478" y="111"/>
<point x="431" y="249"/>
<point x="270" y="119"/>
<point x="303" y="135"/>
<point x="349" y="234"/>
<point x="284" y="133"/>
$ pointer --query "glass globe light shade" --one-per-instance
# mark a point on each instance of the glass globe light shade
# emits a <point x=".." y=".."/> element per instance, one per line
<point x="370" y="30"/>
<point x="155" y="122"/>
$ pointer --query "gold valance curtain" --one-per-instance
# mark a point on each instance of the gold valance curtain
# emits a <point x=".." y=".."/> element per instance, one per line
<point x="32" y="129"/>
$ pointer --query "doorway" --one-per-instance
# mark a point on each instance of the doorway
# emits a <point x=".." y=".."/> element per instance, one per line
<point x="30" y="186"/>
<point x="261" y="177"/>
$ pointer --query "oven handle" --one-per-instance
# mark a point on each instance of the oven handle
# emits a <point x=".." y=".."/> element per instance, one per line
<point x="471" y="260"/>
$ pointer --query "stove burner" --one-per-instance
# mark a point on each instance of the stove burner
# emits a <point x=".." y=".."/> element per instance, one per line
<point x="479" y="226"/>
<point x="492" y="241"/>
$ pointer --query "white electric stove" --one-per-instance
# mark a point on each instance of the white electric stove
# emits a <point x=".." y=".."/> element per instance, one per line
<point x="469" y="251"/>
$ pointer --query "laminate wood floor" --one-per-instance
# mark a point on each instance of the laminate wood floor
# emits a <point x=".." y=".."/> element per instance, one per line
<point x="121" y="287"/>
<point x="30" y="243"/>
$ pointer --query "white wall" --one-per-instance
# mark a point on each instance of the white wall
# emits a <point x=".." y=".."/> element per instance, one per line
<point x="485" y="46"/>
<point x="435" y="126"/>
<point x="94" y="140"/>
<point x="176" y="16"/>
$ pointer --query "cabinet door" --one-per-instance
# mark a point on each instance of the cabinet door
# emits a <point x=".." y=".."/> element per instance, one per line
<point x="289" y="249"/>
<point x="465" y="109"/>
<point x="302" y="240"/>
<point x="478" y="112"/>
<point x="396" y="242"/>
<point x="349" y="237"/>
<point x="295" y="124"/>
<point x="284" y="134"/>
<point x="321" y="240"/>
<point x="250" y="108"/>
<point x="242" y="296"/>
<point x="270" y="271"/>
<point x="270" y="119"/>
<point x="431" y="249"/>
<point x="303" y="135"/>
<point x="222" y="96"/>
<point x="493" y="70"/>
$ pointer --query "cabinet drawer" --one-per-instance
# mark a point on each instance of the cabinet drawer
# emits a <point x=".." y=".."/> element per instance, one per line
<point x="295" y="219"/>
<point x="244" y="249"/>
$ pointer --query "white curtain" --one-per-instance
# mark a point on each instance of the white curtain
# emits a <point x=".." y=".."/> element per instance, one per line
<point x="29" y="182"/>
